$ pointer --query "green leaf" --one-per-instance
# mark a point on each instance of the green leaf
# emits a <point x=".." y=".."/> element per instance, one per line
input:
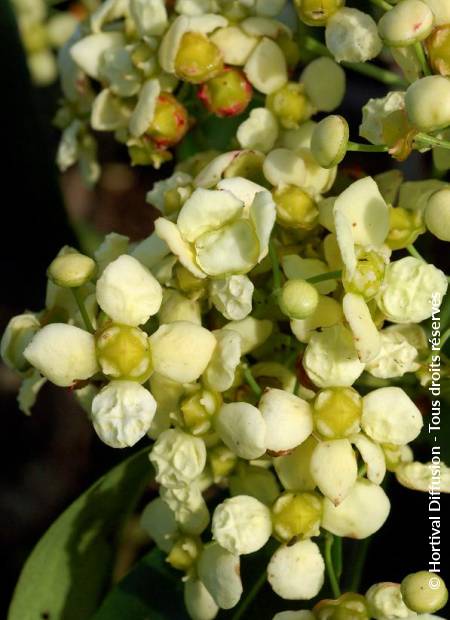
<point x="69" y="570"/>
<point x="151" y="590"/>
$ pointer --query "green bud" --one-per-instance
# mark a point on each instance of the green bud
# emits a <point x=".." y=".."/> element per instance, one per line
<point x="227" y="94"/>
<point x="198" y="59"/>
<point x="184" y="552"/>
<point x="198" y="409"/>
<point x="337" y="412"/>
<point x="71" y="270"/>
<point x="404" y="227"/>
<point x="317" y="12"/>
<point x="169" y="123"/>
<point x="349" y="606"/>
<point x="368" y="275"/>
<point x="329" y="141"/>
<point x="437" y="214"/>
<point x="295" y="208"/>
<point x="424" y="592"/>
<point x="298" y="299"/>
<point x="296" y="515"/>
<point x="123" y="352"/>
<point x="290" y="105"/>
<point x="438" y="48"/>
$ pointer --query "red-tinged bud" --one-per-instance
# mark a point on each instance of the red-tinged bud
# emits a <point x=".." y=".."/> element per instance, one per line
<point x="227" y="94"/>
<point x="170" y="122"/>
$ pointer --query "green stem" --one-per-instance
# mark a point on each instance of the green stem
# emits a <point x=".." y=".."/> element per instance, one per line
<point x="251" y="380"/>
<point x="382" y="4"/>
<point x="275" y="266"/>
<point x="358" y="564"/>
<point x="432" y="140"/>
<point x="329" y="275"/>
<point x="250" y="597"/>
<point x="329" y="539"/>
<point x="412" y="250"/>
<point x="367" y="148"/>
<point x="310" y="44"/>
<point x="82" y="309"/>
<point x="418" y="47"/>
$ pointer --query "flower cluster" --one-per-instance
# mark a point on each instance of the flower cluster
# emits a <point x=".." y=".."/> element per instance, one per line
<point x="242" y="337"/>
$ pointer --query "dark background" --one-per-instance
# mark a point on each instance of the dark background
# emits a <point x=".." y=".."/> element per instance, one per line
<point x="47" y="460"/>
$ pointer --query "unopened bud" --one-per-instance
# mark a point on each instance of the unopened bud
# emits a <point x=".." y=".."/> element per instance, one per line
<point x="170" y="121"/>
<point x="298" y="299"/>
<point x="290" y="105"/>
<point x="296" y="514"/>
<point x="317" y="12"/>
<point x="295" y="208"/>
<point x="198" y="59"/>
<point x="424" y="592"/>
<point x="71" y="270"/>
<point x="227" y="94"/>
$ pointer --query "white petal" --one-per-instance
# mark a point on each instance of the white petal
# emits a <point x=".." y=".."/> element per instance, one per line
<point x="266" y="67"/>
<point x="212" y="173"/>
<point x="243" y="429"/>
<point x="327" y="93"/>
<point x="253" y="332"/>
<point x="284" y="167"/>
<point x="159" y="522"/>
<point x="150" y="251"/>
<point x="232" y="296"/>
<point x="150" y="16"/>
<point x="144" y="111"/>
<point x="168" y="232"/>
<point x="87" y="52"/>
<point x="235" y="45"/>
<point x="365" y="333"/>
<point x="259" y="131"/>
<point x="178" y="458"/>
<point x="296" y="572"/>
<point x="107" y="114"/>
<point x="288" y="419"/>
<point x="263" y="214"/>
<point x="219" y="570"/>
<point x="243" y="189"/>
<point x="200" y="605"/>
<point x="372" y="455"/>
<point x="220" y="373"/>
<point x="334" y="469"/>
<point x="29" y="390"/>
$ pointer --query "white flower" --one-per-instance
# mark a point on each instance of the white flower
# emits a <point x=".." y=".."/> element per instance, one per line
<point x="294" y="469"/>
<point x="219" y="570"/>
<point x="181" y="350"/>
<point x="372" y="455"/>
<point x="365" y="333"/>
<point x="375" y="112"/>
<point x="266" y="67"/>
<point x="424" y="476"/>
<point x="411" y="291"/>
<point x="334" y="469"/>
<point x="232" y="296"/>
<point x="243" y="429"/>
<point x="361" y="514"/>
<point x="390" y="416"/>
<point x="296" y="572"/>
<point x="88" y="51"/>
<point x="63" y="353"/>
<point x="259" y="131"/>
<point x="241" y="524"/>
<point x="220" y="372"/>
<point x="352" y="36"/>
<point x="199" y="603"/>
<point x="189" y="507"/>
<point x="396" y="356"/>
<point x="122" y="413"/>
<point x="288" y="419"/>
<point x="127" y="291"/>
<point x="159" y="522"/>
<point x="178" y="458"/>
<point x="385" y="602"/>
<point x="331" y="359"/>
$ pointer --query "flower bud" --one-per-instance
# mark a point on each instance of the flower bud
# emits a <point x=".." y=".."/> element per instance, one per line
<point x="438" y="48"/>
<point x="71" y="270"/>
<point x="296" y="572"/>
<point x="232" y="296"/>
<point x="17" y="336"/>
<point x="317" y="12"/>
<point x="122" y="413"/>
<point x="396" y="357"/>
<point x="123" y="352"/>
<point x="128" y="292"/>
<point x="255" y="481"/>
<point x="290" y="105"/>
<point x="199" y="603"/>
<point x="424" y="592"/>
<point x="219" y="570"/>
<point x="337" y="412"/>
<point x="428" y="103"/>
<point x="288" y="419"/>
<point x="298" y="299"/>
<point x="222" y="461"/>
<point x="197" y="410"/>
<point x="361" y="514"/>
<point x="295" y="208"/>
<point x="404" y="227"/>
<point x="242" y="428"/>
<point x="178" y="458"/>
<point x="198" y="59"/>
<point x="184" y="553"/>
<point x="349" y="606"/>
<point x="334" y="468"/>
<point x="63" y="353"/>
<point x="169" y="123"/>
<point x="241" y="524"/>
<point x="329" y="141"/>
<point x="367" y="277"/>
<point x="437" y="214"/>
<point x="407" y="22"/>
<point x="159" y="522"/>
<point x="352" y="36"/>
<point x="296" y="515"/>
<point x="187" y="503"/>
<point x="385" y="601"/>
<point x="172" y="346"/>
<point x="227" y="94"/>
<point x="327" y="93"/>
